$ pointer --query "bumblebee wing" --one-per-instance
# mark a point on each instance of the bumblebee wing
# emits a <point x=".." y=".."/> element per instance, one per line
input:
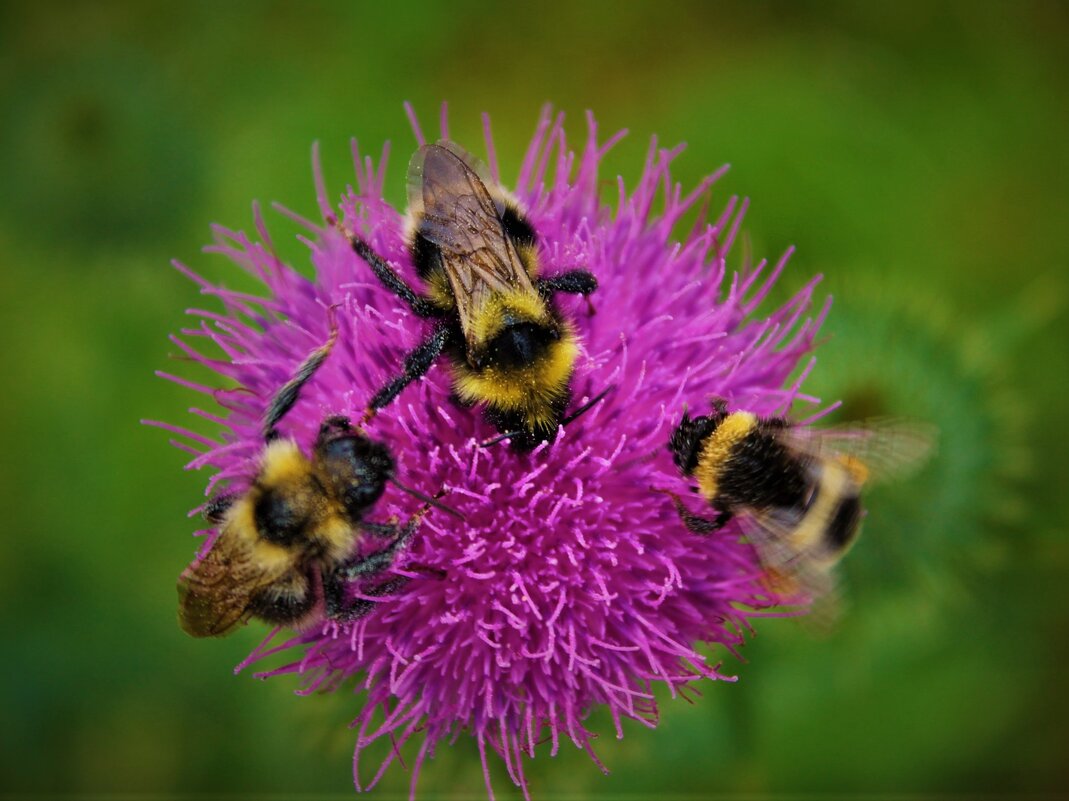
<point x="796" y="575"/>
<point x="454" y="210"/>
<point x="874" y="450"/>
<point x="215" y="590"/>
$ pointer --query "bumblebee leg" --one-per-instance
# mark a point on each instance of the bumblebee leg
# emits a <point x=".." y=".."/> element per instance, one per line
<point x="284" y="602"/>
<point x="390" y="279"/>
<point x="381" y="530"/>
<point x="379" y="561"/>
<point x="287" y="395"/>
<point x="417" y="363"/>
<point x="696" y="523"/>
<point x="574" y="282"/>
<point x="215" y="509"/>
<point x="334" y="584"/>
<point x="338" y="607"/>
<point x="427" y="570"/>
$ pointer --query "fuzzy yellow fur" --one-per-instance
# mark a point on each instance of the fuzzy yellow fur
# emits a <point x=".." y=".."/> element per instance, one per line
<point x="440" y="291"/>
<point x="270" y="560"/>
<point x="282" y="463"/>
<point x="529" y="256"/>
<point x="833" y="484"/>
<point x="492" y="316"/>
<point x="532" y="390"/>
<point x="857" y="469"/>
<point x="285" y="467"/>
<point x="717" y="448"/>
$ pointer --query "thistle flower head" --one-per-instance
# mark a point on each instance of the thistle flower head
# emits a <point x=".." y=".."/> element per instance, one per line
<point x="570" y="584"/>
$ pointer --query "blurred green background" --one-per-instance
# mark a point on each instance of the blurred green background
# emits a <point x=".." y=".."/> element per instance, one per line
<point x="914" y="152"/>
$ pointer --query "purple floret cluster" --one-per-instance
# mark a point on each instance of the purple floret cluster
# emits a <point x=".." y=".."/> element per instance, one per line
<point x="570" y="584"/>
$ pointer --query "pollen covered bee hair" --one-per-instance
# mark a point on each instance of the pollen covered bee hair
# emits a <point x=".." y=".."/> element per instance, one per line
<point x="797" y="490"/>
<point x="509" y="347"/>
<point x="288" y="541"/>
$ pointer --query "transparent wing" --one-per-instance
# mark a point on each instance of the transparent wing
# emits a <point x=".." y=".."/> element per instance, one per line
<point x="453" y="208"/>
<point x="877" y="450"/>
<point x="214" y="591"/>
<point x="798" y="576"/>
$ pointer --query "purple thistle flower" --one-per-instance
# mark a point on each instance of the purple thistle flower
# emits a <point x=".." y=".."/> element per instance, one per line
<point x="571" y="583"/>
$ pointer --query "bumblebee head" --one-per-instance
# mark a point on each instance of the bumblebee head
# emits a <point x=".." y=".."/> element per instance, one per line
<point x="353" y="468"/>
<point x="510" y="331"/>
<point x="518" y="344"/>
<point x="687" y="440"/>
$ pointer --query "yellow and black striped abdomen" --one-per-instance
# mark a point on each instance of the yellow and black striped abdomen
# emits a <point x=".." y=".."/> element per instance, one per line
<point x="830" y="522"/>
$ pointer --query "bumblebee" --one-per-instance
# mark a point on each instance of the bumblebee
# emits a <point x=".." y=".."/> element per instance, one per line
<point x="798" y="489"/>
<point x="510" y="349"/>
<point x="289" y="538"/>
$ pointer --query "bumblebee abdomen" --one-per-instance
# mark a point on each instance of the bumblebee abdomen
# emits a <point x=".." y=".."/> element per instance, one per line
<point x="285" y="601"/>
<point x="832" y="517"/>
<point x="843" y="528"/>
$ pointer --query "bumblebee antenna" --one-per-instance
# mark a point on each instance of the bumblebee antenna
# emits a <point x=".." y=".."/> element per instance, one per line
<point x="495" y="440"/>
<point x="590" y="404"/>
<point x="581" y="410"/>
<point x="291" y="390"/>
<point x="427" y="499"/>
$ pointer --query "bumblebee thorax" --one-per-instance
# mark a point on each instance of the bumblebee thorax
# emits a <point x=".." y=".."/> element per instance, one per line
<point x="282" y="463"/>
<point x="718" y="447"/>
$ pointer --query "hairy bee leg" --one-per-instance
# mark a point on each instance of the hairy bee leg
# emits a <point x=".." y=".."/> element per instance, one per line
<point x="334" y="585"/>
<point x="338" y="607"/>
<point x="215" y="510"/>
<point x="427" y="570"/>
<point x="381" y="530"/>
<point x="696" y="523"/>
<point x="390" y="279"/>
<point x="377" y="562"/>
<point x="417" y="363"/>
<point x="574" y="282"/>
<point x="288" y="394"/>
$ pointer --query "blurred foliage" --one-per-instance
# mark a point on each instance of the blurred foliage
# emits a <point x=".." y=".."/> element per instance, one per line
<point x="915" y="153"/>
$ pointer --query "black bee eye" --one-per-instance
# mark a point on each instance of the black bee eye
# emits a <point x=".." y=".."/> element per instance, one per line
<point x="358" y="497"/>
<point x="355" y="470"/>
<point x="277" y="519"/>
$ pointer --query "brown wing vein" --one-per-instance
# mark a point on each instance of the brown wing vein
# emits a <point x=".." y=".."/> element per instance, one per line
<point x="456" y="212"/>
<point x="214" y="592"/>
